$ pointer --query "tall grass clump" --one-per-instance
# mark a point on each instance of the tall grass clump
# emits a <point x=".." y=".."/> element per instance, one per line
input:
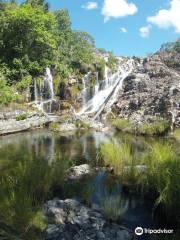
<point x="122" y="125"/>
<point x="24" y="189"/>
<point x="163" y="177"/>
<point x="159" y="127"/>
<point x="123" y="160"/>
<point x="116" y="155"/>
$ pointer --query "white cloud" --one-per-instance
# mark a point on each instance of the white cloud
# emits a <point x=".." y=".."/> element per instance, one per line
<point x="145" y="31"/>
<point x="90" y="5"/>
<point x="123" y="29"/>
<point x="166" y="18"/>
<point x="117" y="9"/>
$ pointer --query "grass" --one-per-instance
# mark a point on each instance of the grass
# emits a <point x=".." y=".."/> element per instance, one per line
<point x="113" y="207"/>
<point x="116" y="155"/>
<point x="160" y="180"/>
<point x="158" y="127"/>
<point x="23" y="191"/>
<point x="163" y="176"/>
<point x="176" y="133"/>
<point x="122" y="124"/>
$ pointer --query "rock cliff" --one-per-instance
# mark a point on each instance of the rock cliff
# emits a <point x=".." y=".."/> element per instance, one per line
<point x="152" y="90"/>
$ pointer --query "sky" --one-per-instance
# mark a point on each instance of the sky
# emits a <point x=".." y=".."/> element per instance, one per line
<point x="126" y="27"/>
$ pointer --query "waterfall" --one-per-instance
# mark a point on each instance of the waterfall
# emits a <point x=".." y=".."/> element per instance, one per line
<point x="44" y="92"/>
<point x="108" y="93"/>
<point x="49" y="80"/>
<point x="35" y="90"/>
<point x="85" y="81"/>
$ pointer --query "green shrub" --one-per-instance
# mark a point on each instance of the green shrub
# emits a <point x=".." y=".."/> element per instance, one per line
<point x="54" y="126"/>
<point x="7" y="93"/>
<point x="158" y="127"/>
<point x="176" y="133"/>
<point x="21" y="117"/>
<point x="24" y="83"/>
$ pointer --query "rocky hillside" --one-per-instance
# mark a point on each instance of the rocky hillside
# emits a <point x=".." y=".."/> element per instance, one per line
<point x="153" y="88"/>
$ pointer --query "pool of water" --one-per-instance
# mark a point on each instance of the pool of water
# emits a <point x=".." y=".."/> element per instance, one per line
<point x="37" y="156"/>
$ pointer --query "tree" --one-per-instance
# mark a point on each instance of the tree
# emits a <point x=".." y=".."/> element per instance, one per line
<point x="27" y="41"/>
<point x="39" y="3"/>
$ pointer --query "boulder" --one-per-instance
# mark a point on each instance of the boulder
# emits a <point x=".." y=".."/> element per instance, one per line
<point x="70" y="220"/>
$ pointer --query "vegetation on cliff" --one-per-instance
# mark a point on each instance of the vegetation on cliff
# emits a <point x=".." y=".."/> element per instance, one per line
<point x="32" y="37"/>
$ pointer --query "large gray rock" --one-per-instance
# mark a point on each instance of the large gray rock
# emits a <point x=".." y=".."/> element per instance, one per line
<point x="70" y="220"/>
<point x="12" y="125"/>
<point x="80" y="171"/>
<point x="153" y="89"/>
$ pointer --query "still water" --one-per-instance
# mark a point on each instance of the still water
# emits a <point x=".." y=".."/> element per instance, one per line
<point x="40" y="159"/>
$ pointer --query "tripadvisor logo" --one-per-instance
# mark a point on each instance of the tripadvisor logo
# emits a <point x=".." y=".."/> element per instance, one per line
<point x="139" y="231"/>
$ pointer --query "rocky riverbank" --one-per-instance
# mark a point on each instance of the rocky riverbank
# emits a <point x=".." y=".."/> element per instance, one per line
<point x="70" y="220"/>
<point x="18" y="121"/>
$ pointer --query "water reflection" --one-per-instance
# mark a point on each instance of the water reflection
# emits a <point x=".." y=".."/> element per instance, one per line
<point x="37" y="162"/>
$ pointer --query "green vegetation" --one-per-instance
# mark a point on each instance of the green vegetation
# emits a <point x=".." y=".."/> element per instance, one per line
<point x="21" y="117"/>
<point x="32" y="38"/>
<point x="7" y="95"/>
<point x="54" y="126"/>
<point x="122" y="124"/>
<point x="113" y="207"/>
<point x="23" y="191"/>
<point x="160" y="178"/>
<point x="81" y="125"/>
<point x="176" y="133"/>
<point x="158" y="127"/>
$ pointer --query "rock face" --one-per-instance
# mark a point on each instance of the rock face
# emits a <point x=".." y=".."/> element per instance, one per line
<point x="70" y="220"/>
<point x="11" y="122"/>
<point x="153" y="89"/>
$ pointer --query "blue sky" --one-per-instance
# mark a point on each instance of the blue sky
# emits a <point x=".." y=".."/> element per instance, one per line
<point x="127" y="27"/>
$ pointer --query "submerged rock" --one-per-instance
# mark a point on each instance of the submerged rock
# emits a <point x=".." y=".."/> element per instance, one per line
<point x="80" y="171"/>
<point x="70" y="220"/>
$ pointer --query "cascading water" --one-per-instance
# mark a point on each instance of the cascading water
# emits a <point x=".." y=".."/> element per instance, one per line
<point x="85" y="82"/>
<point x="44" y="92"/>
<point x="49" y="80"/>
<point x="106" y="95"/>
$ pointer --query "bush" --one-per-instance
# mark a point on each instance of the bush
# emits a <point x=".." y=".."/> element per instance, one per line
<point x="24" y="83"/>
<point x="7" y="94"/>
<point x="21" y="117"/>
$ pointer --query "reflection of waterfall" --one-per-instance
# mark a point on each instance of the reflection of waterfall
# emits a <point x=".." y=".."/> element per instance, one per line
<point x="44" y="92"/>
<point x="106" y="91"/>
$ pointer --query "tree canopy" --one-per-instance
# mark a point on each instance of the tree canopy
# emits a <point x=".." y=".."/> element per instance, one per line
<point x="32" y="38"/>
